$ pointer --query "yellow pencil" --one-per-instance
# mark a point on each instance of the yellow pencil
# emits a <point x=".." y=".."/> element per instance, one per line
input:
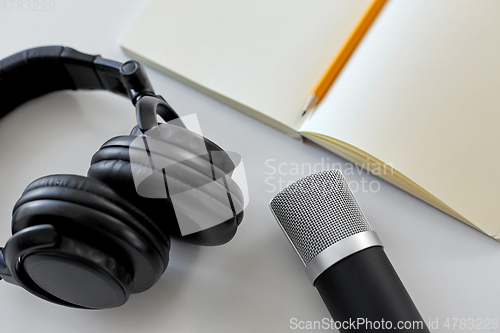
<point x="336" y="65"/>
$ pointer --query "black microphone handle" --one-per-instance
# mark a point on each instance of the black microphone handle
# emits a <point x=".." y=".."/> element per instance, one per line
<point x="366" y="286"/>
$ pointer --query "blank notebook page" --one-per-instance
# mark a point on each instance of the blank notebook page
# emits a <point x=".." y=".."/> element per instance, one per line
<point x="422" y="92"/>
<point x="265" y="55"/>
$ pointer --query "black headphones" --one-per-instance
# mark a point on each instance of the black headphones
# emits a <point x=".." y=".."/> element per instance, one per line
<point x="90" y="242"/>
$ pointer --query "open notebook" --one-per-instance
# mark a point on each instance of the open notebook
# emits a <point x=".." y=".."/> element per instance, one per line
<point x="419" y="95"/>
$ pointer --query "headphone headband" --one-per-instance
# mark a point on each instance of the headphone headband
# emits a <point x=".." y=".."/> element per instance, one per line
<point x="39" y="71"/>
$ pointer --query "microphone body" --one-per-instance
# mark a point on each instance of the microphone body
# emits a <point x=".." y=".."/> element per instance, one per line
<point x="344" y="257"/>
<point x="366" y="289"/>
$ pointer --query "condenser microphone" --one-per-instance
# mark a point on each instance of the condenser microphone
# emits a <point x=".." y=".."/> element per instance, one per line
<point x="344" y="257"/>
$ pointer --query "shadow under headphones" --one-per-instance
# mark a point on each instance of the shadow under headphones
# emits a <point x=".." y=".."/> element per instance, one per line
<point x="90" y="242"/>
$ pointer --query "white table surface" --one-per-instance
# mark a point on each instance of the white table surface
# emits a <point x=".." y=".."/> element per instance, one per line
<point x="255" y="283"/>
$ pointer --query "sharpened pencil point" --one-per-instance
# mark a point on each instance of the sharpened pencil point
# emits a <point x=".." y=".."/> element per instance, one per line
<point x="311" y="101"/>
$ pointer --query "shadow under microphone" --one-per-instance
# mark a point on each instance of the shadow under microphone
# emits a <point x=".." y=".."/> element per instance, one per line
<point x="344" y="257"/>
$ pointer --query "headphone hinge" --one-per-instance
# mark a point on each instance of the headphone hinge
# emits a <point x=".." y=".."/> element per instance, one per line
<point x="128" y="79"/>
<point x="94" y="72"/>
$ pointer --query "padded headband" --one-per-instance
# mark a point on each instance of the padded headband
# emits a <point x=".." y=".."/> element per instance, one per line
<point x="38" y="71"/>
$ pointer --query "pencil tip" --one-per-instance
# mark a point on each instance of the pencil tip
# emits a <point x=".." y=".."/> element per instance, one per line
<point x="303" y="113"/>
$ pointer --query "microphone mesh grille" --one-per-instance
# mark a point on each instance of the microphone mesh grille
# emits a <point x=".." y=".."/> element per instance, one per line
<point x="317" y="211"/>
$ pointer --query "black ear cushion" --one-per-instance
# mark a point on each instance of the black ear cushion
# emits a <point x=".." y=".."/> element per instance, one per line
<point x="94" y="194"/>
<point x="223" y="161"/>
<point x="111" y="164"/>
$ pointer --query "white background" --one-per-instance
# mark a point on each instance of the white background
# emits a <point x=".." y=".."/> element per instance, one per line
<point x="255" y="283"/>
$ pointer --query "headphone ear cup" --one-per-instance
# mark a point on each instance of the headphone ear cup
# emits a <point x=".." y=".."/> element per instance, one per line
<point x="99" y="235"/>
<point x="112" y="165"/>
<point x="117" y="174"/>
<point x="93" y="194"/>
